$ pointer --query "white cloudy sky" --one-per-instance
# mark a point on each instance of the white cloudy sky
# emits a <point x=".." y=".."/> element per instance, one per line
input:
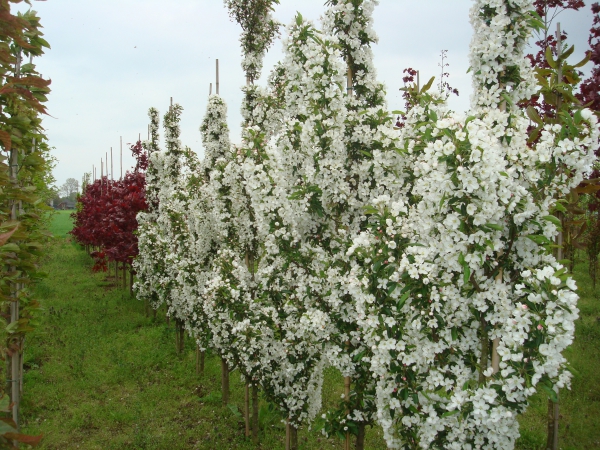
<point x="111" y="60"/>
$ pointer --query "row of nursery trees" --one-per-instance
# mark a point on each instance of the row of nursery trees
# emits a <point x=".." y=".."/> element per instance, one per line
<point x="25" y="179"/>
<point x="421" y="262"/>
<point x="105" y="220"/>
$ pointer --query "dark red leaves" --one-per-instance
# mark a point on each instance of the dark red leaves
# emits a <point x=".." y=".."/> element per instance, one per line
<point x="106" y="214"/>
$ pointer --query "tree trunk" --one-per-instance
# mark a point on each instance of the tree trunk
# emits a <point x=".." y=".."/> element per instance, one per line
<point x="131" y="281"/>
<point x="179" y="336"/>
<point x="553" y="419"/>
<point x="247" y="409"/>
<point x="293" y="437"/>
<point x="255" y="413"/>
<point x="360" y="438"/>
<point x="225" y="381"/>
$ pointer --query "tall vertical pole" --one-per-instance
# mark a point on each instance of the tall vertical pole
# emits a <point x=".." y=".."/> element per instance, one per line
<point x="217" y="85"/>
<point x="121" y="158"/>
<point x="210" y="89"/>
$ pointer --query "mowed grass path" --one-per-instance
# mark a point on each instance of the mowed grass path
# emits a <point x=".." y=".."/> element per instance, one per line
<point x="102" y="375"/>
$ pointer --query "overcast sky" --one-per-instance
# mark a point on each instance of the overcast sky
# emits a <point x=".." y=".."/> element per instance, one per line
<point x="111" y="60"/>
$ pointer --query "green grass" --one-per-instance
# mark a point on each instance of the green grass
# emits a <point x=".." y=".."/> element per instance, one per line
<point x="61" y="223"/>
<point x="102" y="375"/>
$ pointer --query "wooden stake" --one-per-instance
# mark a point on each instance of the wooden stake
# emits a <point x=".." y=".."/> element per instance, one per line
<point x="255" y="413"/>
<point x="347" y="398"/>
<point x="287" y="435"/>
<point x="217" y="84"/>
<point x="210" y="89"/>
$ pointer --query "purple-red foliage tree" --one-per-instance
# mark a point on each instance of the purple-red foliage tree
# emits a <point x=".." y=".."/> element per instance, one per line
<point x="106" y="214"/>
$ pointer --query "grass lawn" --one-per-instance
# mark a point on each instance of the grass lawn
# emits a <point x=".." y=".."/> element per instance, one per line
<point x="102" y="375"/>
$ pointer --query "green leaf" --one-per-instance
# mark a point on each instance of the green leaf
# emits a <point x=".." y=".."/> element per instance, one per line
<point x="398" y="112"/>
<point x="428" y="85"/>
<point x="403" y="299"/>
<point x="299" y="19"/>
<point x="551" y="394"/>
<point x="10" y="247"/>
<point x="450" y="413"/>
<point x="370" y="210"/>
<point x="555" y="220"/>
<point x="467" y="273"/>
<point x="533" y="115"/>
<point x="454" y="334"/>
<point x="560" y="207"/>
<point x="538" y="239"/>
<point x="494" y="226"/>
<point x="550" y="58"/>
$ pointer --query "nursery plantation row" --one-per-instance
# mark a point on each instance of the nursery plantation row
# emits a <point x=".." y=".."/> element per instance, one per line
<point x="102" y="374"/>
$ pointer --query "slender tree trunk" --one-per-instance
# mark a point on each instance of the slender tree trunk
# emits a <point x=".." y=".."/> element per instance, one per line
<point x="293" y="437"/>
<point x="225" y="381"/>
<point x="131" y="281"/>
<point x="255" y="413"/>
<point x="247" y="408"/>
<point x="360" y="438"/>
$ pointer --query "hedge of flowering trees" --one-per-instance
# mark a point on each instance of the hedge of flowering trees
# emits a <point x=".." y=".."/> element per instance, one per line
<point x="418" y="262"/>
<point x="105" y="220"/>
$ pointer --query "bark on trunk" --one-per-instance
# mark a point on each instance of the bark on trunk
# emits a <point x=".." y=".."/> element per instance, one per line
<point x="255" y="413"/>
<point x="225" y="381"/>
<point x="360" y="438"/>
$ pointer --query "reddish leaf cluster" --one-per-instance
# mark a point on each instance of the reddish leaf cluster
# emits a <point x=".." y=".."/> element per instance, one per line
<point x="589" y="90"/>
<point x="106" y="214"/>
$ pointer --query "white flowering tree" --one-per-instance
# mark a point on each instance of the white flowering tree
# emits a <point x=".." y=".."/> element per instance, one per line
<point x="418" y="263"/>
<point x="151" y="255"/>
<point x="472" y="311"/>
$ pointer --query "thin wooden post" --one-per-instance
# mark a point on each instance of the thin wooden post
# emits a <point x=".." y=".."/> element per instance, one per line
<point x="347" y="398"/>
<point x="255" y="412"/>
<point x="121" y="159"/>
<point x="217" y="84"/>
<point x="287" y="434"/>
<point x="247" y="408"/>
<point x="210" y="90"/>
